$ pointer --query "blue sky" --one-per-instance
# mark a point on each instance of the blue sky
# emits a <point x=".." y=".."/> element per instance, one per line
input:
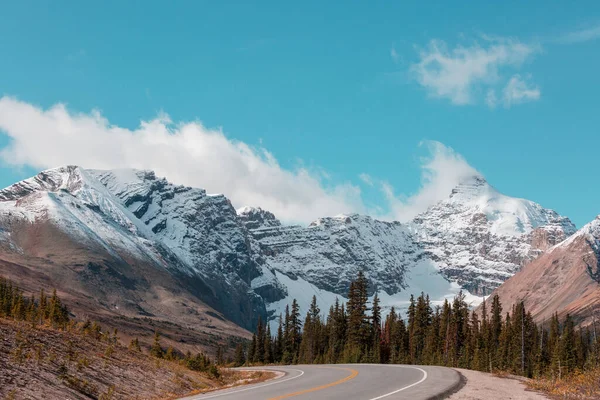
<point x="297" y="100"/>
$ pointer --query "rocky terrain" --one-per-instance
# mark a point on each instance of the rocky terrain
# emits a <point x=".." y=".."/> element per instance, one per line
<point x="479" y="237"/>
<point x="475" y="240"/>
<point x="565" y="279"/>
<point x="128" y="244"/>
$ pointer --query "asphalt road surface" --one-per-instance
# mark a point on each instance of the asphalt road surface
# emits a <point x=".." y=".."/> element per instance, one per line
<point x="347" y="382"/>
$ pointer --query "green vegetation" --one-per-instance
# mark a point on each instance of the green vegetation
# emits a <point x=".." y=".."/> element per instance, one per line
<point x="40" y="311"/>
<point x="450" y="335"/>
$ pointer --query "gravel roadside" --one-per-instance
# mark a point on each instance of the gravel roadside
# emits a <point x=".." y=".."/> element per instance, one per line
<point x="481" y="385"/>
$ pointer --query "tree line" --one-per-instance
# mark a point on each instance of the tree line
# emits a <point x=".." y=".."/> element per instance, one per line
<point x="449" y="335"/>
<point x="37" y="311"/>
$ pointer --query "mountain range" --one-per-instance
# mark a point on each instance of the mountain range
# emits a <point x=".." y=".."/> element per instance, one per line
<point x="126" y="245"/>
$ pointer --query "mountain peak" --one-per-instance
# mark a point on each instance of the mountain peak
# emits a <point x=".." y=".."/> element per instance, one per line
<point x="256" y="217"/>
<point x="472" y="186"/>
<point x="70" y="178"/>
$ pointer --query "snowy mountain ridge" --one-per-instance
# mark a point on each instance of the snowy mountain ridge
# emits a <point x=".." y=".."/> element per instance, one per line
<point x="474" y="239"/>
<point x="479" y="237"/>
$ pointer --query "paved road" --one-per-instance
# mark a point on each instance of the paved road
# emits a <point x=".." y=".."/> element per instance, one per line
<point x="347" y="382"/>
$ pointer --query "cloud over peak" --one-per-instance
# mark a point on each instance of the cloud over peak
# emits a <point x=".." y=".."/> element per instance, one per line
<point x="441" y="171"/>
<point x="186" y="153"/>
<point x="191" y="154"/>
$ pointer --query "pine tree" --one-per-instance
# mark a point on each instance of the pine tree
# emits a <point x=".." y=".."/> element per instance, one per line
<point x="219" y="356"/>
<point x="568" y="351"/>
<point x="170" y="354"/>
<point x="135" y="345"/>
<point x="259" y="353"/>
<point x="358" y="322"/>
<point x="485" y="360"/>
<point x="240" y="357"/>
<point x="376" y="329"/>
<point x="278" y="353"/>
<point x="495" y="331"/>
<point x="43" y="309"/>
<point x="252" y="350"/>
<point x="295" y="331"/>
<point x="267" y="346"/>
<point x="156" y="350"/>
<point x="287" y="355"/>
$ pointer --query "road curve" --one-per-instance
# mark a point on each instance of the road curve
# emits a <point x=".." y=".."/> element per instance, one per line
<point x="347" y="382"/>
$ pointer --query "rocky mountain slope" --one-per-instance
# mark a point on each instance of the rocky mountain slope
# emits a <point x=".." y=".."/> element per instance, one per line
<point x="479" y="237"/>
<point x="565" y="279"/>
<point x="475" y="239"/>
<point x="63" y="228"/>
<point x="135" y="227"/>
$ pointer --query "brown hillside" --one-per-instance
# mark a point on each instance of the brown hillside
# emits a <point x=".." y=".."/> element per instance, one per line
<point x="128" y="294"/>
<point x="44" y="363"/>
<point x="565" y="279"/>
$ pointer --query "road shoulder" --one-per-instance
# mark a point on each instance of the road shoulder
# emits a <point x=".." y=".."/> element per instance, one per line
<point x="482" y="385"/>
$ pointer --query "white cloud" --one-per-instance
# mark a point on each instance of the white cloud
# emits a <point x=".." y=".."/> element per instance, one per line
<point x="186" y="153"/>
<point x="366" y="178"/>
<point x="191" y="154"/>
<point x="518" y="91"/>
<point x="441" y="172"/>
<point x="490" y="98"/>
<point x="461" y="73"/>
<point x="582" y="35"/>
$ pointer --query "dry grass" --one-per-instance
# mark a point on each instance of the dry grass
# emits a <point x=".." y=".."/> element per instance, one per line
<point x="52" y="364"/>
<point x="580" y="385"/>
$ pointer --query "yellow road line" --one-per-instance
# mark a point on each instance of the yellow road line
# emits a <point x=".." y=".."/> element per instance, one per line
<point x="353" y="374"/>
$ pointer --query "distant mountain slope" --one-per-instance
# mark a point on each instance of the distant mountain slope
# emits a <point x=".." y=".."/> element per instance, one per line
<point x="68" y="230"/>
<point x="474" y="239"/>
<point x="129" y="225"/>
<point x="565" y="279"/>
<point x="479" y="237"/>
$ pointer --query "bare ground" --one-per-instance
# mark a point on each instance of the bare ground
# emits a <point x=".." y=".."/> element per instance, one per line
<point x="43" y="363"/>
<point x="484" y="386"/>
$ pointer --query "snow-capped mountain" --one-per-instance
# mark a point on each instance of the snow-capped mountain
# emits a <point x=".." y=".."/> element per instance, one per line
<point x="137" y="218"/>
<point x="240" y="262"/>
<point x="475" y="239"/>
<point x="479" y="237"/>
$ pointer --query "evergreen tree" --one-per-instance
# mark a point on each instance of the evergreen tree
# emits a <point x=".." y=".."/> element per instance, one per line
<point x="376" y="328"/>
<point x="259" y="351"/>
<point x="295" y="330"/>
<point x="278" y="352"/>
<point x="358" y="321"/>
<point x="495" y="331"/>
<point x="134" y="345"/>
<point x="219" y="359"/>
<point x="240" y="357"/>
<point x="450" y="335"/>
<point x="267" y="346"/>
<point x="156" y="350"/>
<point x="287" y="355"/>
<point x="252" y="350"/>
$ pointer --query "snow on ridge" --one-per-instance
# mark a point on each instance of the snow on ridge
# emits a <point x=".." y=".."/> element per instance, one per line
<point x="591" y="231"/>
<point x="509" y="216"/>
<point x="247" y="210"/>
<point x="476" y="238"/>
